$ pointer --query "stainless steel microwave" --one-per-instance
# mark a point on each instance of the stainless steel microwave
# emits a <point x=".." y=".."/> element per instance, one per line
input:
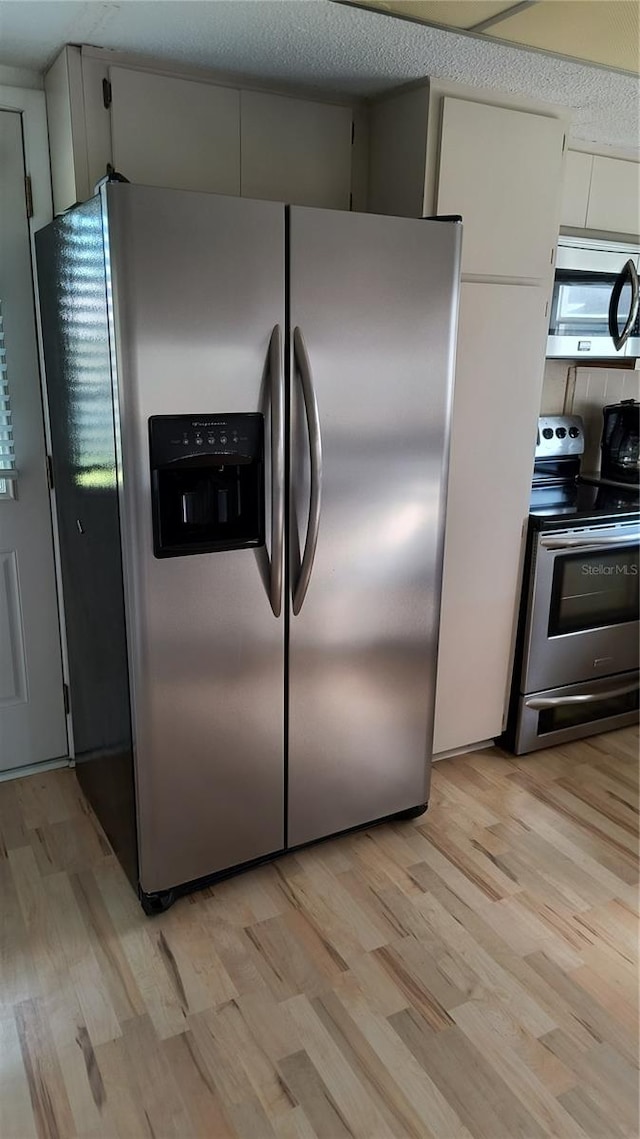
<point x="594" y="308"/>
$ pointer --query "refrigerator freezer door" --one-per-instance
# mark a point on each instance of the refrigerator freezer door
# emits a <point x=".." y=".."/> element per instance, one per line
<point x="375" y="303"/>
<point x="198" y="288"/>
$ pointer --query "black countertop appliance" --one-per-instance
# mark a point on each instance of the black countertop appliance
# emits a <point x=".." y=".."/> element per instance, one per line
<point x="621" y="442"/>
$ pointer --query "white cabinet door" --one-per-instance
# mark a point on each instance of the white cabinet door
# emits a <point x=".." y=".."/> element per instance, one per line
<point x="575" y="189"/>
<point x="614" y="200"/>
<point x="32" y="717"/>
<point x="500" y="358"/>
<point x="175" y="132"/>
<point x="295" y="151"/>
<point x="501" y="170"/>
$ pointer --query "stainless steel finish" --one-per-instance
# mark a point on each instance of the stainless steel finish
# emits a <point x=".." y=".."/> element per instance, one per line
<point x="528" y="736"/>
<point x="587" y="542"/>
<point x="554" y="661"/>
<point x="539" y="703"/>
<point x="593" y="255"/>
<point x="620" y="339"/>
<point x="198" y="286"/>
<point x="590" y="255"/>
<point x="303" y="367"/>
<point x="563" y="444"/>
<point x="276" y="377"/>
<point x="377" y="300"/>
<point x="590" y="347"/>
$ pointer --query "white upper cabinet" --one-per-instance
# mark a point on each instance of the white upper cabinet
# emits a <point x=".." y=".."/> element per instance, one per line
<point x="295" y="150"/>
<point x="191" y="134"/>
<point x="175" y="132"/>
<point x="501" y="170"/>
<point x="614" y="196"/>
<point x="575" y="189"/>
<point x="601" y="193"/>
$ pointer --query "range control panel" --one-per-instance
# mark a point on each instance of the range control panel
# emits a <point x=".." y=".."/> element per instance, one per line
<point x="188" y="439"/>
<point x="559" y="435"/>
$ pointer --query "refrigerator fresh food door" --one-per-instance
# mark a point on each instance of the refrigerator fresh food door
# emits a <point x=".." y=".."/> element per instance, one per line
<point x="198" y="305"/>
<point x="373" y="319"/>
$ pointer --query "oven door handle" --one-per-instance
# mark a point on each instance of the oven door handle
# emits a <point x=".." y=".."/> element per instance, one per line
<point x="628" y="273"/>
<point x="589" y="543"/>
<point x="539" y="703"/>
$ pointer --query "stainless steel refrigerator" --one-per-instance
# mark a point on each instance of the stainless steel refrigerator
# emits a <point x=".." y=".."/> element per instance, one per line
<point x="249" y="408"/>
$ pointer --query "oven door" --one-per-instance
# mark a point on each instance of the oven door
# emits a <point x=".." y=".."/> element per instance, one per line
<point x="583" y="608"/>
<point x="561" y="714"/>
<point x="594" y="307"/>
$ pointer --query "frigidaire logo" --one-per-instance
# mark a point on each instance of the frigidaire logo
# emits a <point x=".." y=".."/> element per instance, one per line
<point x="208" y="422"/>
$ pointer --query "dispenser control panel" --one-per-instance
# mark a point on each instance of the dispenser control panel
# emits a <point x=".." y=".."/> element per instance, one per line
<point x="207" y="483"/>
<point x="234" y="438"/>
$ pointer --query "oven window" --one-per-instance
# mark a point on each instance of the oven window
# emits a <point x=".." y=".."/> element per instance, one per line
<point x="573" y="715"/>
<point x="580" y="304"/>
<point x="594" y="588"/>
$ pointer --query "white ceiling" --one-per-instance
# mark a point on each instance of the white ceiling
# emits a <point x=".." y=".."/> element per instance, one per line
<point x="320" y="44"/>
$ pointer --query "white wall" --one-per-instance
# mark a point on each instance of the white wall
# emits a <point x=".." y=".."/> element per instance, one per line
<point x="554" y="387"/>
<point x="20" y="77"/>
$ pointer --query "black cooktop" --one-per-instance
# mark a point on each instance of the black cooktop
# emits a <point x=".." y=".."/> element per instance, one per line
<point x="555" y="507"/>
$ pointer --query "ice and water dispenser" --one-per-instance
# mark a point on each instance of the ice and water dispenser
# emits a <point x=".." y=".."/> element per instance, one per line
<point x="207" y="483"/>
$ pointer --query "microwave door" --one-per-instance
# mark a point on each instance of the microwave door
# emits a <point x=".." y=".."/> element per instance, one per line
<point x="580" y="314"/>
<point x="593" y="307"/>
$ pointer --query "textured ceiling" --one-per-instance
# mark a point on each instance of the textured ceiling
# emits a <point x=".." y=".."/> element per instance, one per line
<point x="332" y="47"/>
<point x="598" y="31"/>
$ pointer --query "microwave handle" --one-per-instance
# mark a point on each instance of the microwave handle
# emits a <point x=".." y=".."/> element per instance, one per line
<point x="627" y="273"/>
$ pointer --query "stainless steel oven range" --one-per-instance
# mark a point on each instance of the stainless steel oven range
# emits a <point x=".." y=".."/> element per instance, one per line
<point x="576" y="667"/>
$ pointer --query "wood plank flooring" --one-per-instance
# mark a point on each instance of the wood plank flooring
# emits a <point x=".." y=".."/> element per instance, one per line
<point x="468" y="975"/>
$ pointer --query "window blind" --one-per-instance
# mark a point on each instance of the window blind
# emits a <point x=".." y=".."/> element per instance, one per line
<point x="7" y="455"/>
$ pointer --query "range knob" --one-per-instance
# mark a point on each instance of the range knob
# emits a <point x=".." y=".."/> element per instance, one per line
<point x="561" y="432"/>
<point x="574" y="432"/>
<point x="547" y="432"/>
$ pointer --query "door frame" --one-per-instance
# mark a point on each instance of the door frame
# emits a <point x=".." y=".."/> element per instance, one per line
<point x="31" y="106"/>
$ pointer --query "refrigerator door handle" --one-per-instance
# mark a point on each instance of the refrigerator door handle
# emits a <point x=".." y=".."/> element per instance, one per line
<point x="276" y="379"/>
<point x="315" y="452"/>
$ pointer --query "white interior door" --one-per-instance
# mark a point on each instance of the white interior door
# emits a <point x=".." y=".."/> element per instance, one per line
<point x="32" y="718"/>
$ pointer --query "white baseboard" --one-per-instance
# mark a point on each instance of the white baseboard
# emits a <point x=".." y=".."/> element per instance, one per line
<point x="35" y="768"/>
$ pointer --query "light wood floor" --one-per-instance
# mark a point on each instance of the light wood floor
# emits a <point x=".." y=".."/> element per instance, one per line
<point x="471" y="973"/>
